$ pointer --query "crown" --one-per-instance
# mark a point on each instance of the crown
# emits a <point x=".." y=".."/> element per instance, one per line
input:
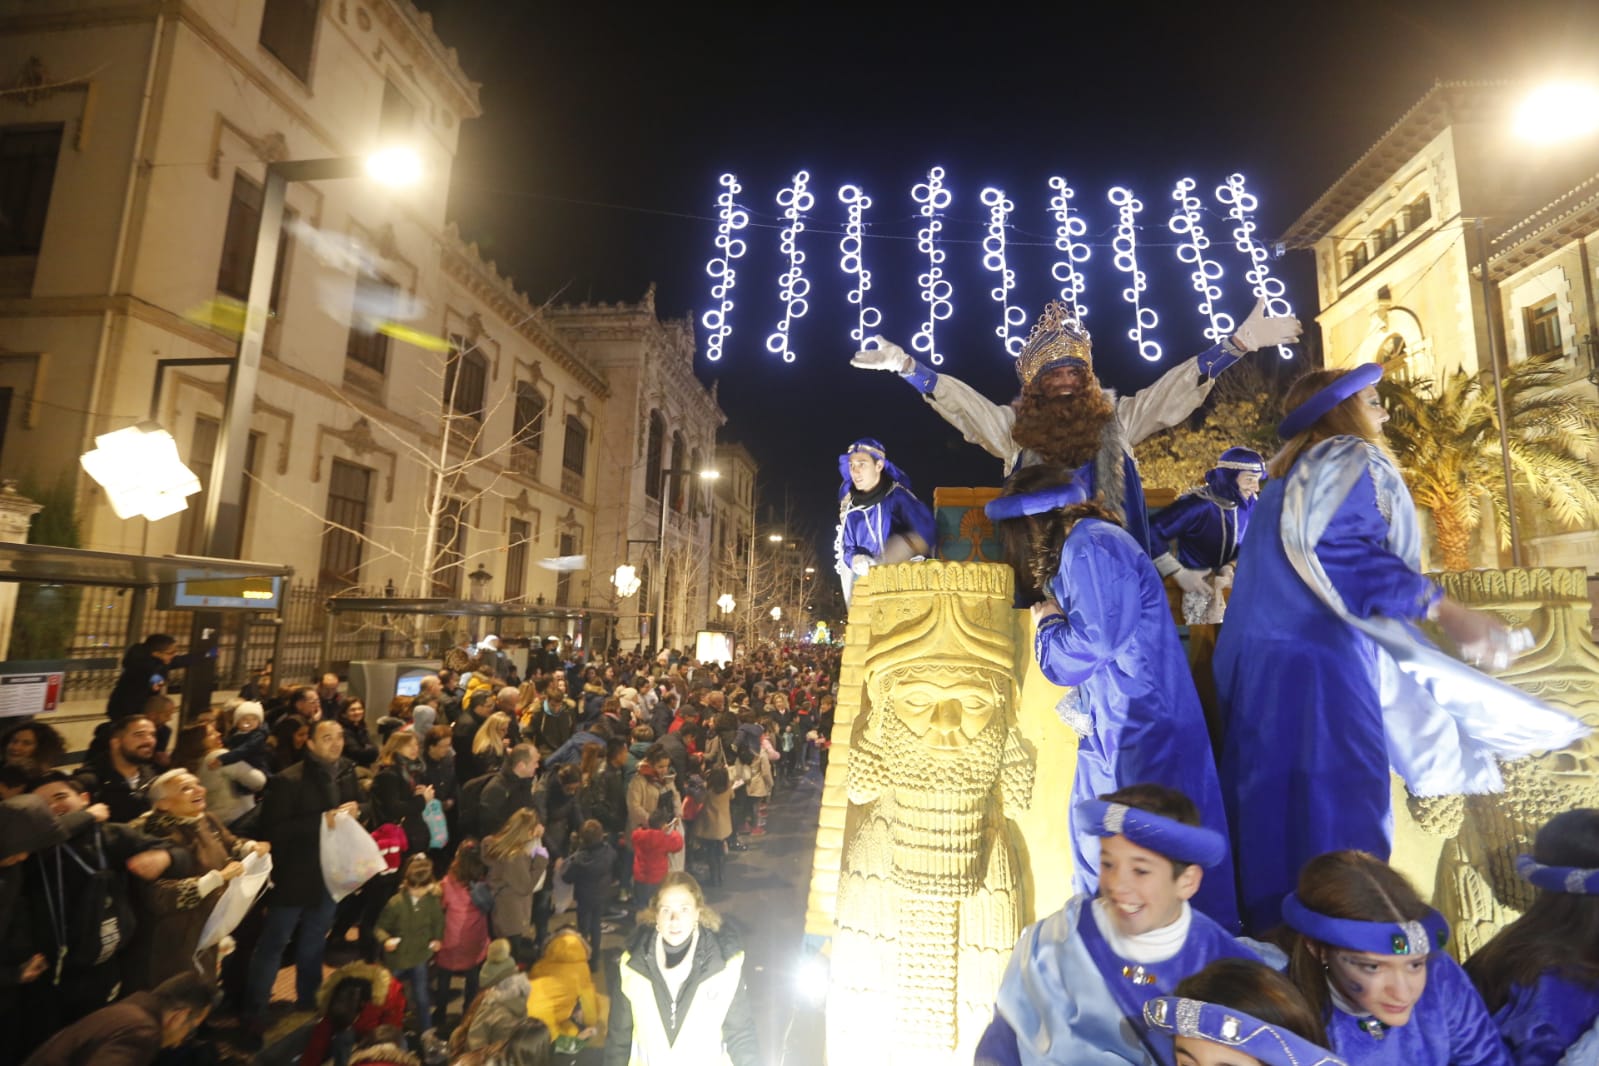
<point x="1058" y="336"/>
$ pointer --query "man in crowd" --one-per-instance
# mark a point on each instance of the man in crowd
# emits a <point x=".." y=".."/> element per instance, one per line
<point x="552" y="719"/>
<point x="120" y="774"/>
<point x="329" y="697"/>
<point x="134" y="1030"/>
<point x="508" y="791"/>
<point x="144" y="674"/>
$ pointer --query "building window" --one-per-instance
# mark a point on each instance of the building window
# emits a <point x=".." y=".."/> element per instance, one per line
<point x="202" y="451"/>
<point x="574" y="456"/>
<point x="376" y="301"/>
<point x="1356" y="258"/>
<point x="529" y="417"/>
<point x="696" y="486"/>
<point x="1386" y="236"/>
<point x="288" y="29"/>
<point x="655" y="455"/>
<point x="518" y="536"/>
<point x="27" y="174"/>
<point x="563" y="579"/>
<point x="238" y="244"/>
<point x="466" y="376"/>
<point x="344" y="539"/>
<point x="398" y="117"/>
<point x="678" y="478"/>
<point x="1418" y="212"/>
<point x="449" y="553"/>
<point x="1543" y="328"/>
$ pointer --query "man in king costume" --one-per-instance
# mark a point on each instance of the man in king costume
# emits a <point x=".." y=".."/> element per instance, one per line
<point x="879" y="519"/>
<point x="1063" y="415"/>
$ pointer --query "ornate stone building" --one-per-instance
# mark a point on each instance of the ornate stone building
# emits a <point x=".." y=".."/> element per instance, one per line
<point x="1398" y="256"/>
<point x="133" y="142"/>
<point x="658" y="437"/>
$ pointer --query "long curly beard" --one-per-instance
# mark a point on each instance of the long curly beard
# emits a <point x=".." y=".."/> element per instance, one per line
<point x="1066" y="430"/>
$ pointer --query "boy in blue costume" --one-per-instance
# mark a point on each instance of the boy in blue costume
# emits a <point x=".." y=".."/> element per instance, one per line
<point x="1206" y="527"/>
<point x="1063" y="416"/>
<point x="1540" y="975"/>
<point x="1075" y="988"/>
<point x="879" y="519"/>
<point x="1105" y="630"/>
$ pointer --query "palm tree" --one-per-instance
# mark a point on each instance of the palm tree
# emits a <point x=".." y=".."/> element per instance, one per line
<point x="1445" y="434"/>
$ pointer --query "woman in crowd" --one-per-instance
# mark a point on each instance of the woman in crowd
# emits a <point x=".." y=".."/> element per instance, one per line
<point x="1367" y="954"/>
<point x="287" y="742"/>
<point x="1540" y="975"/>
<point x="231" y="789"/>
<point x="1322" y="678"/>
<point x="398" y="791"/>
<point x="680" y="958"/>
<point x="358" y="745"/>
<point x="490" y="744"/>
<point x="517" y="863"/>
<point x="34" y="746"/>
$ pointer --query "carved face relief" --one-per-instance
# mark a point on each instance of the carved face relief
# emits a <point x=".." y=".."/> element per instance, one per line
<point x="945" y="708"/>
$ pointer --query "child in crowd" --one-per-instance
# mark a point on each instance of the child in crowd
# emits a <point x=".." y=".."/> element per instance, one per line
<point x="588" y="871"/>
<point x="355" y="1000"/>
<point x="716" y="822"/>
<point x="467" y="901"/>
<point x="1540" y="975"/>
<point x="1368" y="955"/>
<point x="1077" y="982"/>
<point x="411" y="930"/>
<point x="248" y="737"/>
<point x="1240" y="1013"/>
<point x="652" y="843"/>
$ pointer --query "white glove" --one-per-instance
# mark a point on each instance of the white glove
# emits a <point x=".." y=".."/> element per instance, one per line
<point x="861" y="564"/>
<point x="1193" y="581"/>
<point x="1259" y="332"/>
<point x="886" y="356"/>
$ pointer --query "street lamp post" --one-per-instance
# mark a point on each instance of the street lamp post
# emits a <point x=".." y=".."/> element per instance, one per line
<point x="225" y="489"/>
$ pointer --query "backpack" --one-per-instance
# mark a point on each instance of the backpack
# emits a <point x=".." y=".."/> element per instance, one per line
<point x="469" y="806"/>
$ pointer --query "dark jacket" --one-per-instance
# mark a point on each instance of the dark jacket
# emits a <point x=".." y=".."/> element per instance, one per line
<point x="127" y="1033"/>
<point x="395" y="799"/>
<point x="359" y="747"/>
<point x="548" y="730"/>
<point x="291" y="821"/>
<point x="461" y="736"/>
<point x="717" y="956"/>
<point x="107" y="785"/>
<point x="605" y="799"/>
<point x="143" y="676"/>
<point x="588" y="871"/>
<point x="502" y="796"/>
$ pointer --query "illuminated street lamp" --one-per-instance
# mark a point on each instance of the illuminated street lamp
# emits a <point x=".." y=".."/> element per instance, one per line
<point x="777" y="614"/>
<point x="626" y="580"/>
<point x="140" y="471"/>
<point x="726" y="603"/>
<point x="1559" y="111"/>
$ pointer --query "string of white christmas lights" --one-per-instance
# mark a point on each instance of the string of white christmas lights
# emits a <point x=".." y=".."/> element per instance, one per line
<point x="1186" y="222"/>
<point x="852" y="261"/>
<point x="793" y="286"/>
<point x="718" y="320"/>
<point x="937" y="292"/>
<point x="1000" y="208"/>
<point x="1241" y="205"/>
<point x="1126" y="259"/>
<point x="1069" y="229"/>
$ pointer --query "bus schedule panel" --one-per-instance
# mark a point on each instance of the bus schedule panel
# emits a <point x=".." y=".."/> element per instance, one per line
<point x="196" y="590"/>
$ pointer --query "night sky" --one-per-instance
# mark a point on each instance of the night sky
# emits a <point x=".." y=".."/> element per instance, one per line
<point x="593" y="170"/>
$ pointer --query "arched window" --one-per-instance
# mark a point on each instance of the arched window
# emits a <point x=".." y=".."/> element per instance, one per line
<point x="529" y="417"/>
<point x="678" y="478"/>
<point x="654" y="455"/>
<point x="574" y="456"/>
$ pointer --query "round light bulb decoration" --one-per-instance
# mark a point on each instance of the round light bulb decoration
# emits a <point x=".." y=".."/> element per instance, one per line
<point x="1187" y="223"/>
<point x="937" y="292"/>
<point x="999" y="211"/>
<point x="626" y="580"/>
<point x="718" y="321"/>
<point x="793" y="286"/>
<point x="1069" y="229"/>
<point x="851" y="261"/>
<point x="1241" y="204"/>
<point x="1125" y="246"/>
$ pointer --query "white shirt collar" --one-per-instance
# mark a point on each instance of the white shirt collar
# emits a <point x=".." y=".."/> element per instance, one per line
<point x="1157" y="945"/>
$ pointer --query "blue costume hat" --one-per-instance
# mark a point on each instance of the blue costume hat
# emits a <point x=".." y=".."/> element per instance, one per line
<point x="1222" y="479"/>
<point x="1570" y="880"/>
<point x="1166" y="836"/>
<point x="1271" y="1044"/>
<point x="1326" y="398"/>
<point x="876" y="450"/>
<point x="1377" y="938"/>
<point x="1042" y="501"/>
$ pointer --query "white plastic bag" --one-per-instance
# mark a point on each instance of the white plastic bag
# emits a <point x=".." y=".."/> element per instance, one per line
<point x="350" y="857"/>
<point x="238" y="896"/>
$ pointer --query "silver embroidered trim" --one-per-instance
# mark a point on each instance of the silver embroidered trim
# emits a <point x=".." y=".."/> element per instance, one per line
<point x="1187" y="1009"/>
<point x="1577" y="881"/>
<point x="1416" y="937"/>
<point x="1115" y="819"/>
<point x="1070" y="710"/>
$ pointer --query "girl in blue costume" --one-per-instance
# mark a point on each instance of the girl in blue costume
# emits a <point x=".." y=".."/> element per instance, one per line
<point x="1323" y="680"/>
<point x="1074" y="991"/>
<point x="1240" y="1013"/>
<point x="1105" y="629"/>
<point x="1367" y="954"/>
<point x="1540" y="975"/>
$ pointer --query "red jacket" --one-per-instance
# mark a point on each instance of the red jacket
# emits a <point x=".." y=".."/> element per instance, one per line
<point x="391" y="1011"/>
<point x="650" y="849"/>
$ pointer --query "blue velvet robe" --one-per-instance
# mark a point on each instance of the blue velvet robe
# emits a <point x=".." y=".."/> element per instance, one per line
<point x="1302" y="767"/>
<point x="1135" y="709"/>
<point x="865" y="530"/>
<point x="1540" y="1023"/>
<point x="1206" y="529"/>
<point x="1449" y="1027"/>
<point x="1065" y="1000"/>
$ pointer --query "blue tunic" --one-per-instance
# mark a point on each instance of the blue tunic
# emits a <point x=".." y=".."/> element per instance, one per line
<point x="1206" y="528"/>
<point x="1303" y="764"/>
<point x="1449" y="1027"/>
<point x="1068" y="998"/>
<point x="1135" y="708"/>
<point x="1541" y="1022"/>
<point x="865" y="529"/>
